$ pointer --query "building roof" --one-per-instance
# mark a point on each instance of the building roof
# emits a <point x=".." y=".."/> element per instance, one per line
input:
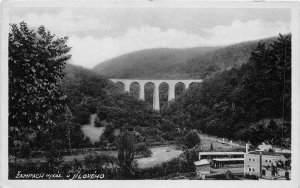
<point x="202" y="162"/>
<point x="221" y="153"/>
<point x="283" y="151"/>
<point x="257" y="152"/>
<point x="228" y="159"/>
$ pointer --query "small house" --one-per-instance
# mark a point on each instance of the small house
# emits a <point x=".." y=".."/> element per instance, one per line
<point x="202" y="167"/>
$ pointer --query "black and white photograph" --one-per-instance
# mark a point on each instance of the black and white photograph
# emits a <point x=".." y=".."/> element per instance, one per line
<point x="148" y="90"/>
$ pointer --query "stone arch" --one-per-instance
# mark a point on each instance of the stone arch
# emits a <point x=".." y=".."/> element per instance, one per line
<point x="193" y="84"/>
<point x="163" y="88"/>
<point x="120" y="85"/>
<point x="180" y="88"/>
<point x="149" y="92"/>
<point x="134" y="89"/>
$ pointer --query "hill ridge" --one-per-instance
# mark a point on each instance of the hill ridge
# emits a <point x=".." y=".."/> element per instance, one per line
<point x="178" y="63"/>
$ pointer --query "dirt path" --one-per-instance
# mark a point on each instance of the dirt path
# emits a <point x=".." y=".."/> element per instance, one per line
<point x="159" y="155"/>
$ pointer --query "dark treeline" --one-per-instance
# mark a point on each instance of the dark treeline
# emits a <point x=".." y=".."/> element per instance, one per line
<point x="239" y="103"/>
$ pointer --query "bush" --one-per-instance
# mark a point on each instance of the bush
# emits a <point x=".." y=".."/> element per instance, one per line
<point x="142" y="150"/>
<point x="191" y="139"/>
<point x="98" y="123"/>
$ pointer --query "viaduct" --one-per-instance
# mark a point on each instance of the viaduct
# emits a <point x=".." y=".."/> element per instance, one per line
<point x="171" y="83"/>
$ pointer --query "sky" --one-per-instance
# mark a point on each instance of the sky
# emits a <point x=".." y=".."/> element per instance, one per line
<point x="99" y="34"/>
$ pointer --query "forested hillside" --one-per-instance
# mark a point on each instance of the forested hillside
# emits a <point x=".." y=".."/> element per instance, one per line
<point x="250" y="103"/>
<point x="222" y="58"/>
<point x="150" y="63"/>
<point x="177" y="63"/>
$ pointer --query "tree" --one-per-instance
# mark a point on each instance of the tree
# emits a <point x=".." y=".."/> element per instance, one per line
<point x="36" y="63"/>
<point x="68" y="120"/>
<point x="109" y="131"/>
<point x="191" y="155"/>
<point x="211" y="147"/>
<point x="142" y="150"/>
<point x="126" y="153"/>
<point x="270" y="79"/>
<point x="191" y="139"/>
<point x="96" y="162"/>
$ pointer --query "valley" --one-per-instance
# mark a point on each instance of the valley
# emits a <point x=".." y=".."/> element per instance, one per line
<point x="82" y="121"/>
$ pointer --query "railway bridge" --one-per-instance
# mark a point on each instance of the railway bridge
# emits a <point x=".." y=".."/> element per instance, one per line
<point x="171" y="83"/>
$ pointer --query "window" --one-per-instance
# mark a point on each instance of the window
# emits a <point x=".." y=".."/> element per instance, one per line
<point x="253" y="169"/>
<point x="249" y="169"/>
